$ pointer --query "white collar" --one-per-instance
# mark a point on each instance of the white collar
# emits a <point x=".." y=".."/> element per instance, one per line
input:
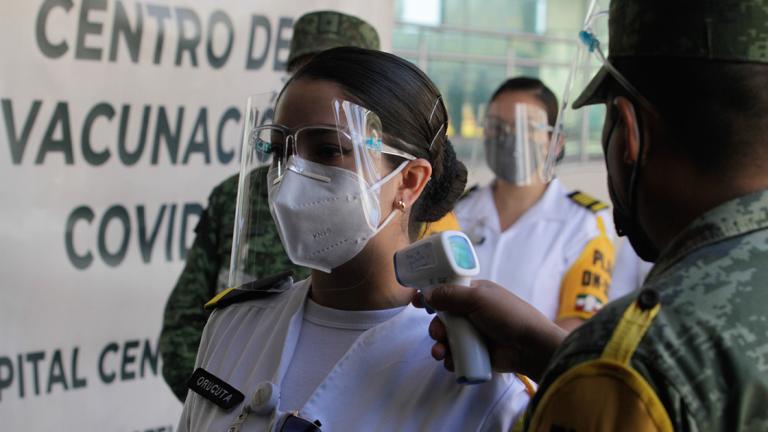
<point x="546" y="207"/>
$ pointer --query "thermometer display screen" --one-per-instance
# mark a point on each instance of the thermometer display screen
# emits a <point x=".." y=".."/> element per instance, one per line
<point x="462" y="252"/>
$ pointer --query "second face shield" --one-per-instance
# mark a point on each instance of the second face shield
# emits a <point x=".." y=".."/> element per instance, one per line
<point x="516" y="149"/>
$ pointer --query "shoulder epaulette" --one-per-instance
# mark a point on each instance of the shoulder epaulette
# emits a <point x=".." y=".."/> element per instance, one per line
<point x="257" y="289"/>
<point x="469" y="191"/>
<point x="592" y="204"/>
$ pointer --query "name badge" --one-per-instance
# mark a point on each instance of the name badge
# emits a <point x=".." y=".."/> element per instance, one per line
<point x="214" y="389"/>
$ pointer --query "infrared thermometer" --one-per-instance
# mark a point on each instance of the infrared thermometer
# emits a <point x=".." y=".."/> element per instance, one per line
<point x="448" y="258"/>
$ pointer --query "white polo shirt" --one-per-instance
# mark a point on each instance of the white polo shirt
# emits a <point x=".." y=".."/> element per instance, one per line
<point x="558" y="256"/>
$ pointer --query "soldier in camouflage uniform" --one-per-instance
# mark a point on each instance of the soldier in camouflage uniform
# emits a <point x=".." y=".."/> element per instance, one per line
<point x="207" y="266"/>
<point x="688" y="171"/>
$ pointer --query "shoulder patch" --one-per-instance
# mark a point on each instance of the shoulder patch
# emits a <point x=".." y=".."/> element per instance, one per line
<point x="588" y="202"/>
<point x="469" y="191"/>
<point x="262" y="288"/>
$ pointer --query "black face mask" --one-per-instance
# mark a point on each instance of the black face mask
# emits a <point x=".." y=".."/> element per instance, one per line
<point x="624" y="215"/>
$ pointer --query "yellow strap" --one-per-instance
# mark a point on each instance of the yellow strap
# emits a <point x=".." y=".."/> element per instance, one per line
<point x="529" y="388"/>
<point x="600" y="395"/>
<point x="449" y="222"/>
<point x="519" y="425"/>
<point x="212" y="302"/>
<point x="601" y="226"/>
<point x="629" y="332"/>
<point x="607" y="392"/>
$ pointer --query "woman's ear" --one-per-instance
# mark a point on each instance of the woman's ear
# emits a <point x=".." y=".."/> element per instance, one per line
<point x="416" y="174"/>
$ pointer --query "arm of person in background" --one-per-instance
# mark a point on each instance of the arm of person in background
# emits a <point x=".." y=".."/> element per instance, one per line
<point x="519" y="337"/>
<point x="184" y="317"/>
<point x="584" y="288"/>
<point x="206" y="272"/>
<point x="447" y="223"/>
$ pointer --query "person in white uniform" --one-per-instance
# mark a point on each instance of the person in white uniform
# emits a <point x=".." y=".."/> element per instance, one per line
<point x="549" y="246"/>
<point x="629" y="273"/>
<point x="356" y="167"/>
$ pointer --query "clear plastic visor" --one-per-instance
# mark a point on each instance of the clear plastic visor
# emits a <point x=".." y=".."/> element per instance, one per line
<point x="589" y="70"/>
<point x="350" y="149"/>
<point x="516" y="146"/>
<point x="571" y="125"/>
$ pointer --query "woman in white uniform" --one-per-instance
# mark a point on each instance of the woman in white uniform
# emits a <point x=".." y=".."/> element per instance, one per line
<point x="359" y="158"/>
<point x="549" y="246"/>
<point x="629" y="273"/>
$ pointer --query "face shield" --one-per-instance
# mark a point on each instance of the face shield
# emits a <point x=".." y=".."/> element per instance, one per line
<point x="323" y="182"/>
<point x="516" y="149"/>
<point x="590" y="55"/>
<point x="583" y="67"/>
<point x="590" y="72"/>
<point x="256" y="249"/>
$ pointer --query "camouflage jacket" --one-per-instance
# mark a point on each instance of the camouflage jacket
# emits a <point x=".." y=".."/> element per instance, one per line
<point x="206" y="273"/>
<point x="706" y="353"/>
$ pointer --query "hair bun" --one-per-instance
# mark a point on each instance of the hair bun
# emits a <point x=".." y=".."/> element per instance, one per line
<point x="444" y="189"/>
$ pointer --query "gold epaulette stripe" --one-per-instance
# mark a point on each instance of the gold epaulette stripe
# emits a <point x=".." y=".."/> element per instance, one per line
<point x="592" y="204"/>
<point x="214" y="301"/>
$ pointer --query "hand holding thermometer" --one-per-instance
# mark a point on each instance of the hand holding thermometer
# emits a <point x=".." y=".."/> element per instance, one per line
<point x="448" y="258"/>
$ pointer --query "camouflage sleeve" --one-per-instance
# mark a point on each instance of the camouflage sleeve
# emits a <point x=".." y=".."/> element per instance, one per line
<point x="588" y="342"/>
<point x="677" y="410"/>
<point x="184" y="316"/>
<point x="672" y="401"/>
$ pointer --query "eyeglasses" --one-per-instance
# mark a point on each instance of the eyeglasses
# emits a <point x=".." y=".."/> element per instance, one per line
<point x="497" y="128"/>
<point x="323" y="144"/>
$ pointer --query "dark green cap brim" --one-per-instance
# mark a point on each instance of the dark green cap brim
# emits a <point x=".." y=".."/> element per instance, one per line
<point x="711" y="30"/>
<point x="595" y="92"/>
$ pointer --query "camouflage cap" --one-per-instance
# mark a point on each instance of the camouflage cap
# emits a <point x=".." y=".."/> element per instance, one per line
<point x="318" y="31"/>
<point x="718" y="30"/>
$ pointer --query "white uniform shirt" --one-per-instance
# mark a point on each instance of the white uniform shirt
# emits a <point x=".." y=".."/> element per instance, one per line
<point x="386" y="381"/>
<point x="326" y="335"/>
<point x="549" y="241"/>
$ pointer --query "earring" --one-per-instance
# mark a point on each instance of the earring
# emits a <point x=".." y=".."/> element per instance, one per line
<point x="400" y="204"/>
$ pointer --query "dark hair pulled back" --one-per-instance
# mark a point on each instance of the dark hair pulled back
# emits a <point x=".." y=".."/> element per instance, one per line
<point x="535" y="86"/>
<point x="410" y="108"/>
